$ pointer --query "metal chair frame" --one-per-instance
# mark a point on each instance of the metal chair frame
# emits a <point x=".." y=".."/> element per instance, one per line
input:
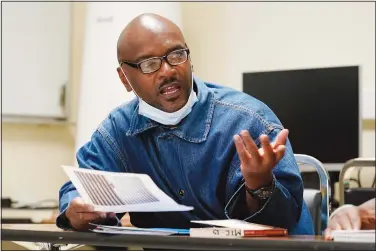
<point x="357" y="162"/>
<point x="303" y="159"/>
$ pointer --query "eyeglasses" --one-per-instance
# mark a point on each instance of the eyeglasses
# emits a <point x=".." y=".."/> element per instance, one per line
<point x="154" y="64"/>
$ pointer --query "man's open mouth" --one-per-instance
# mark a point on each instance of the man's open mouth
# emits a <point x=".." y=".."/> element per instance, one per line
<point x="170" y="91"/>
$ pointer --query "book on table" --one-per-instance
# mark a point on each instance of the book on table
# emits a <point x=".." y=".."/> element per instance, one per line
<point x="235" y="229"/>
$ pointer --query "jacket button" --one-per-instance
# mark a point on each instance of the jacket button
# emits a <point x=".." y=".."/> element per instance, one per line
<point x="181" y="192"/>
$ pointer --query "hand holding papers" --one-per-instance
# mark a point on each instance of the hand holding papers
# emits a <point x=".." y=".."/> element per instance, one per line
<point x="120" y="192"/>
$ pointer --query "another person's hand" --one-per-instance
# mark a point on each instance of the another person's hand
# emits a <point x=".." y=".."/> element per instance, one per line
<point x="80" y="215"/>
<point x="351" y="218"/>
<point x="257" y="164"/>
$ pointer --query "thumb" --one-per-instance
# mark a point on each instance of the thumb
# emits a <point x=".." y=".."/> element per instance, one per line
<point x="111" y="215"/>
<point x="328" y="234"/>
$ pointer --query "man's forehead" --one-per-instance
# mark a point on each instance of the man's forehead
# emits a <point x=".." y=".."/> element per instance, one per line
<point x="148" y="44"/>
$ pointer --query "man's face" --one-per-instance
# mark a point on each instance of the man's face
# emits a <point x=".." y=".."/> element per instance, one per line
<point x="167" y="88"/>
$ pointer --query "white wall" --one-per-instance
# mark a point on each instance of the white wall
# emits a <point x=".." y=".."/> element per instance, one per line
<point x="207" y="37"/>
<point x="31" y="159"/>
<point x="250" y="36"/>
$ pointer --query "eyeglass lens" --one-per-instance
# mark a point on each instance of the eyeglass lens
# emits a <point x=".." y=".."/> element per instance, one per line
<point x="174" y="58"/>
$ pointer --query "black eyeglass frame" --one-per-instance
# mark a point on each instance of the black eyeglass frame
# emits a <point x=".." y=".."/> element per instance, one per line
<point x="163" y="58"/>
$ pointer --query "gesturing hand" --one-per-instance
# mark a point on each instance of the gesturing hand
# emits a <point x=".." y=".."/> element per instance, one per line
<point x="257" y="164"/>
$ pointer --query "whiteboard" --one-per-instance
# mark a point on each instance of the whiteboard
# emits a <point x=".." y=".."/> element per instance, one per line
<point x="101" y="89"/>
<point x="35" y="57"/>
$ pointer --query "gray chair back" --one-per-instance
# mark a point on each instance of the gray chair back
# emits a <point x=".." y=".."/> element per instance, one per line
<point x="312" y="198"/>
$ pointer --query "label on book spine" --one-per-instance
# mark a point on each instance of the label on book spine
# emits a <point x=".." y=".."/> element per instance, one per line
<point x="235" y="232"/>
<point x="216" y="232"/>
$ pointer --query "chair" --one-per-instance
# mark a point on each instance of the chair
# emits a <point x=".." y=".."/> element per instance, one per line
<point x="358" y="195"/>
<point x="317" y="200"/>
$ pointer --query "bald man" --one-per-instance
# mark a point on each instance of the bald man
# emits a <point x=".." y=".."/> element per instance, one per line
<point x="216" y="149"/>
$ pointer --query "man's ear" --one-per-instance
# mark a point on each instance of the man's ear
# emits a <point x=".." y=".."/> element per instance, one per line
<point x="190" y="61"/>
<point x="189" y="57"/>
<point x="124" y="80"/>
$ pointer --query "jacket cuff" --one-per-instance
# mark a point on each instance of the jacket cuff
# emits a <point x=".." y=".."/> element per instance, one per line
<point x="63" y="222"/>
<point x="270" y="213"/>
<point x="237" y="207"/>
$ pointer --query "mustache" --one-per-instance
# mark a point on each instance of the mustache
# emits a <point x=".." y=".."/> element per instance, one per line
<point x="166" y="81"/>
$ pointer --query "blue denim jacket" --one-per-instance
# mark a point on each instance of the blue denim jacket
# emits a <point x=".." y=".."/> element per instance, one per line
<point x="196" y="162"/>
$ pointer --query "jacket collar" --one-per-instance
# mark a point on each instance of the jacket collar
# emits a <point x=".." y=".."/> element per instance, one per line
<point x="193" y="128"/>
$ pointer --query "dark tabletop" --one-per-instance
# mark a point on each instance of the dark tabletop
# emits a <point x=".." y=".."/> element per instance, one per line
<point x="49" y="233"/>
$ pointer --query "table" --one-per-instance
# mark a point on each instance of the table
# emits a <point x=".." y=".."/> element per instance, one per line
<point x="32" y="215"/>
<point x="49" y="233"/>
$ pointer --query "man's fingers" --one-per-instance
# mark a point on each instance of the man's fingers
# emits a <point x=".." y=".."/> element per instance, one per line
<point x="345" y="222"/>
<point x="354" y="219"/>
<point x="78" y="209"/>
<point x="78" y="205"/>
<point x="91" y="216"/>
<point x="81" y="214"/>
<point x="280" y="152"/>
<point x="328" y="234"/>
<point x="269" y="155"/>
<point x="250" y="145"/>
<point x="111" y="215"/>
<point x="244" y="156"/>
<point x="281" y="138"/>
<point x="338" y="226"/>
<point x="334" y="225"/>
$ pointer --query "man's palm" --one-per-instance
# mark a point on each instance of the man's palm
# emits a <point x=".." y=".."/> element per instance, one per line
<point x="257" y="163"/>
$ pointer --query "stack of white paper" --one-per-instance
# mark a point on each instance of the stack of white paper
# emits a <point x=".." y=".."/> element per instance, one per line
<point x="121" y="192"/>
<point x="233" y="223"/>
<point x="354" y="235"/>
<point x="104" y="229"/>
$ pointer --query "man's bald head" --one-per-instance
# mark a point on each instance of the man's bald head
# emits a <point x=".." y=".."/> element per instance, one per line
<point x="142" y="29"/>
<point x="145" y="38"/>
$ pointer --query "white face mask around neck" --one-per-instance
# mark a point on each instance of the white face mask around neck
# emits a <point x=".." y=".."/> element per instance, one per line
<point x="165" y="118"/>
